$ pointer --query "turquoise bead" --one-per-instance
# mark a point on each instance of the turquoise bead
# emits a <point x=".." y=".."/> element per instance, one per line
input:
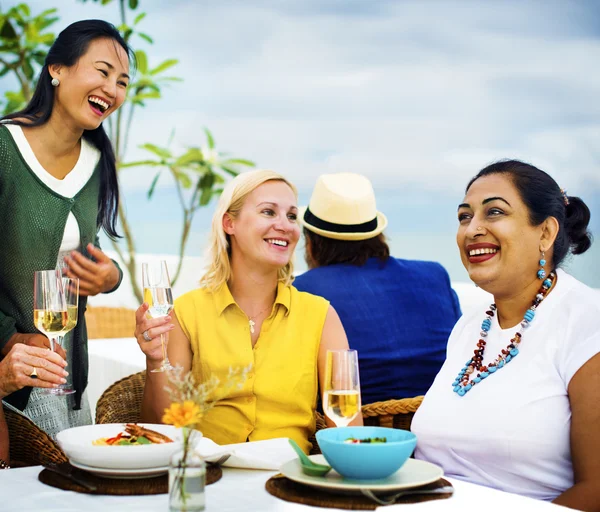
<point x="477" y="379"/>
<point x="542" y="262"/>
<point x="483" y="375"/>
<point x="508" y="358"/>
<point x="468" y="386"/>
<point x="501" y="363"/>
<point x="461" y="391"/>
<point x="492" y="369"/>
<point x="456" y="389"/>
<point x="514" y="352"/>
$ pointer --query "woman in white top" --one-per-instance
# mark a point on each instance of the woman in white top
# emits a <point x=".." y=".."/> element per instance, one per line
<point x="515" y="405"/>
<point x="58" y="187"/>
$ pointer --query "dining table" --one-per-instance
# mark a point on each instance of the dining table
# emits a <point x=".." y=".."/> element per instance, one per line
<point x="239" y="490"/>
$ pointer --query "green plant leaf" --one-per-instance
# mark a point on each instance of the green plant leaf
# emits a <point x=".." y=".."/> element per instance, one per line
<point x="205" y="196"/>
<point x="238" y="161"/>
<point x="46" y="13"/>
<point x="209" y="138"/>
<point x="161" y="152"/>
<point x="192" y="155"/>
<point x="27" y="69"/>
<point x="146" y="37"/>
<point x="153" y="185"/>
<point x="139" y="18"/>
<point x="25" y="9"/>
<point x="163" y="66"/>
<point x="133" y="4"/>
<point x="145" y="95"/>
<point x="142" y="61"/>
<point x="137" y="163"/>
<point x="229" y="170"/>
<point x="7" y="31"/>
<point x="183" y="178"/>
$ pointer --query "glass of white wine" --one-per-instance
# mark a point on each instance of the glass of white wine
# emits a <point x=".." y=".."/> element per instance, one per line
<point x="159" y="297"/>
<point x="50" y="314"/>
<point x="71" y="290"/>
<point x="341" y="393"/>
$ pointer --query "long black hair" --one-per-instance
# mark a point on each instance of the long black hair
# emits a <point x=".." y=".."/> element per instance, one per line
<point x="544" y="198"/>
<point x="70" y="45"/>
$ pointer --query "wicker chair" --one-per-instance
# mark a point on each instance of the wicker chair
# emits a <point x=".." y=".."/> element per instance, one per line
<point x="122" y="401"/>
<point x="105" y="322"/>
<point x="391" y="413"/>
<point x="30" y="445"/>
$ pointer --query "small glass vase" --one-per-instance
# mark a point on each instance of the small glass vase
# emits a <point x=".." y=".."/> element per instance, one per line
<point x="187" y="478"/>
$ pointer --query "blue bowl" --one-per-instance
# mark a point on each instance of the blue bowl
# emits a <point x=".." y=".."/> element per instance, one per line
<point x="366" y="461"/>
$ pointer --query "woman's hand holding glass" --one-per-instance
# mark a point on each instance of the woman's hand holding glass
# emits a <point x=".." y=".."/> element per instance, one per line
<point x="22" y="361"/>
<point x="341" y="393"/>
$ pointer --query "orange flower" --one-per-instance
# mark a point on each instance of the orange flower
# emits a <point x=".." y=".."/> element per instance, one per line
<point x="186" y="414"/>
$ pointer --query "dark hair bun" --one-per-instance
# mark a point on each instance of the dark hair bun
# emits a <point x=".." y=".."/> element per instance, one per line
<point x="576" y="225"/>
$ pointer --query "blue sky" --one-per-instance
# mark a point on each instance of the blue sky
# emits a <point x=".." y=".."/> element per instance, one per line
<point x="417" y="95"/>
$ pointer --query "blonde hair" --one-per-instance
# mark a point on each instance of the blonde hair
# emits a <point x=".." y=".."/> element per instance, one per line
<point x="219" y="247"/>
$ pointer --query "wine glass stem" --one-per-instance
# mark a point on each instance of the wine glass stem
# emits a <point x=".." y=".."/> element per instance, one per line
<point x="54" y="341"/>
<point x="163" y="343"/>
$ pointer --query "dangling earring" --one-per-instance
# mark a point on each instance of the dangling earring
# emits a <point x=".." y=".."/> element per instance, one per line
<point x="55" y="82"/>
<point x="541" y="272"/>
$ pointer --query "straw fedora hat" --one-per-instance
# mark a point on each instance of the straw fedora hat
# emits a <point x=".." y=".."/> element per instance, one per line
<point x="342" y="206"/>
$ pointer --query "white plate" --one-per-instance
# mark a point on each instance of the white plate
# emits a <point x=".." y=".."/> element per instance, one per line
<point x="413" y="473"/>
<point x="77" y="443"/>
<point x="122" y="473"/>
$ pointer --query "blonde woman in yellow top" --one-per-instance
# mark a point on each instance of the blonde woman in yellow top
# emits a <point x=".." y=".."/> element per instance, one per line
<point x="247" y="312"/>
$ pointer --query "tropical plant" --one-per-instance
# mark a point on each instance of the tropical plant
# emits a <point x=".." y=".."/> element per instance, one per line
<point x="24" y="40"/>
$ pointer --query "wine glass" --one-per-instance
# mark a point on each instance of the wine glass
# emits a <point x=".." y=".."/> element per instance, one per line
<point x="341" y="394"/>
<point x="159" y="297"/>
<point x="50" y="314"/>
<point x="71" y="291"/>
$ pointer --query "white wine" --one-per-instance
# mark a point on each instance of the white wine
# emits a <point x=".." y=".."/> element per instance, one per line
<point x="160" y="300"/>
<point x="341" y="406"/>
<point x="71" y="320"/>
<point x="50" y="322"/>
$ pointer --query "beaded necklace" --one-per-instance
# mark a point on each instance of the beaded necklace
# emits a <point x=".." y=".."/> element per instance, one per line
<point x="463" y="383"/>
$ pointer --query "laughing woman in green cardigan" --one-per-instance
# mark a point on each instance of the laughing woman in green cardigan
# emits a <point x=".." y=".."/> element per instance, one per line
<point x="58" y="188"/>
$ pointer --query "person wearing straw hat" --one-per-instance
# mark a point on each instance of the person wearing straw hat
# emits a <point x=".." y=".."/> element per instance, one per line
<point x="397" y="313"/>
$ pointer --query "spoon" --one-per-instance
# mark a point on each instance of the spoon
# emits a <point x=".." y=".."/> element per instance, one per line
<point x="309" y="467"/>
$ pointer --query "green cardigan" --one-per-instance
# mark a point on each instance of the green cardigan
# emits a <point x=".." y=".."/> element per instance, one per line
<point x="32" y="224"/>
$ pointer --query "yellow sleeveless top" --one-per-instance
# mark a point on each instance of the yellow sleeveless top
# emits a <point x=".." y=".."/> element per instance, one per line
<point x="279" y="397"/>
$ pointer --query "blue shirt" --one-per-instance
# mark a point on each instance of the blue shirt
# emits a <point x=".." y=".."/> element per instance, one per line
<point x="397" y="314"/>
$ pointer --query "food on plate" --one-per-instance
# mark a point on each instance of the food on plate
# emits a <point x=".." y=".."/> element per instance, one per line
<point x="353" y="440"/>
<point x="134" y="435"/>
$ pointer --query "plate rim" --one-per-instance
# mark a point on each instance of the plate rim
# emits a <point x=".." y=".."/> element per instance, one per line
<point x="356" y="485"/>
<point x="117" y="471"/>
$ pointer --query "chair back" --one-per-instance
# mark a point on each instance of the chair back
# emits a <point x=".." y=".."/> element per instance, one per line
<point x="103" y="322"/>
<point x="122" y="401"/>
<point x="29" y="444"/>
<point x="391" y="413"/>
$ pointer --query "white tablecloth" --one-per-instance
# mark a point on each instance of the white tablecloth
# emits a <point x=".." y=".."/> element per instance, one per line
<point x="238" y="490"/>
<point x="111" y="360"/>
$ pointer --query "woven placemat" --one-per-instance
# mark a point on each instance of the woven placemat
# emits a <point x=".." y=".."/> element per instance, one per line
<point x="288" y="490"/>
<point x="119" y="486"/>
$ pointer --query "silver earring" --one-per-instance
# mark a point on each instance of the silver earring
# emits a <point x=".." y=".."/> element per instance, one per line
<point x="55" y="82"/>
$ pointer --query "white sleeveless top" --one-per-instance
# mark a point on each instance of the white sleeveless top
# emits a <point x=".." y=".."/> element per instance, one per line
<point x="55" y="413"/>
